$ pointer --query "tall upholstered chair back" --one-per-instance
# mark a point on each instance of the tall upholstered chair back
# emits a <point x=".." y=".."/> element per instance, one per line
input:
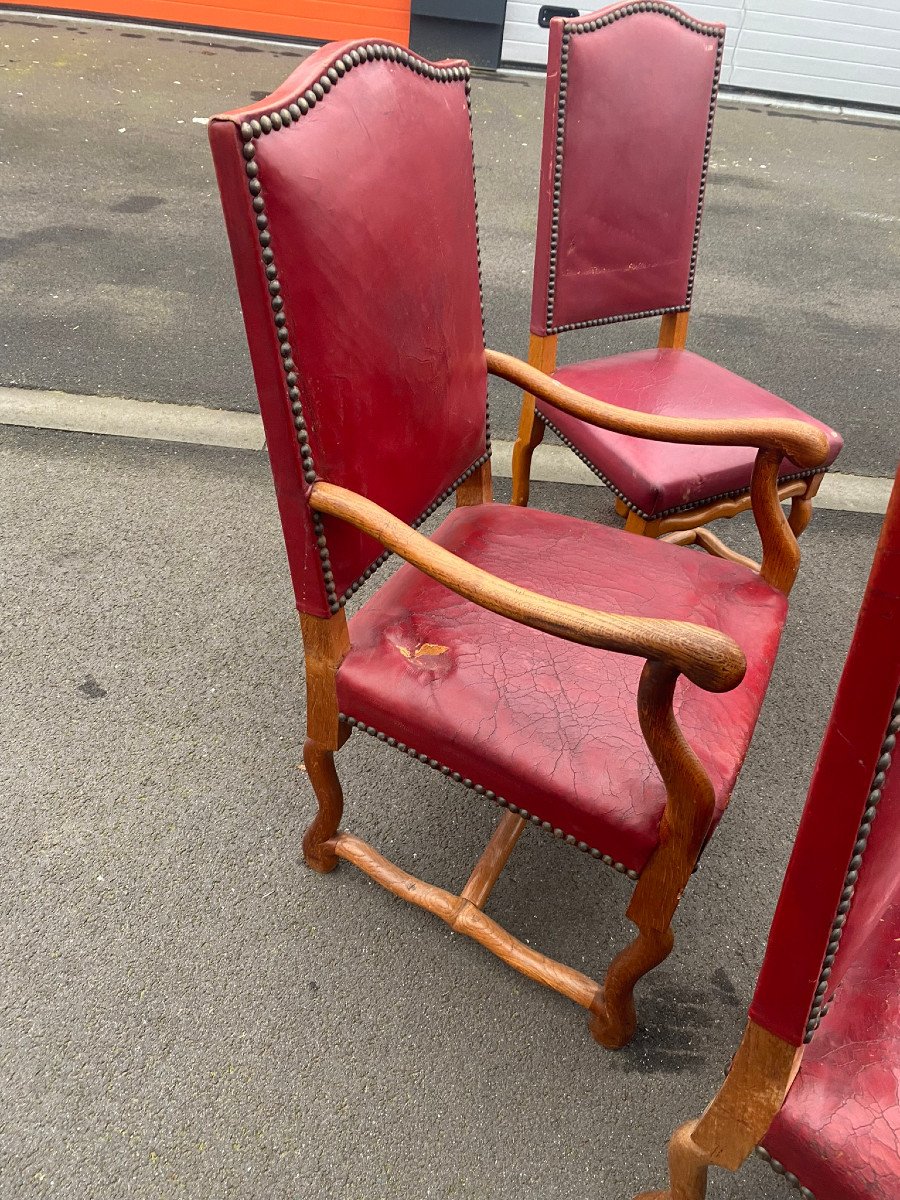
<point x="630" y="98"/>
<point x="350" y="204"/>
<point x="839" y="909"/>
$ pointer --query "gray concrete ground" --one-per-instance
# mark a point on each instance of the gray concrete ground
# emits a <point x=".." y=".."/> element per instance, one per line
<point x="187" y="1011"/>
<point x="116" y="277"/>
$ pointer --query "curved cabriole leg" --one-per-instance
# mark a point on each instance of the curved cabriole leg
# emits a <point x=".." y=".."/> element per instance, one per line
<point x="802" y="508"/>
<point x="613" y="1016"/>
<point x="688" y="1167"/>
<point x="684" y="825"/>
<point x="320" y="768"/>
<point x="531" y="434"/>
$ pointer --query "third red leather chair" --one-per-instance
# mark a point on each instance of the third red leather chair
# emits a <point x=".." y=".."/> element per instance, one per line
<point x="815" y="1084"/>
<point x="630" y="98"/>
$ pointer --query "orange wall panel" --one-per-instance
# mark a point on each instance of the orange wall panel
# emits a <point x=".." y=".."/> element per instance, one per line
<point x="318" y="20"/>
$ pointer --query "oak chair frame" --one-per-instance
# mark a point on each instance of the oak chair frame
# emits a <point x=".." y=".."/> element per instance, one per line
<point x="542" y="348"/>
<point x="707" y="657"/>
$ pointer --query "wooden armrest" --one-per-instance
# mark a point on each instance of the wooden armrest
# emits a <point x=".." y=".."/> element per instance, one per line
<point x="803" y="444"/>
<point x="708" y="658"/>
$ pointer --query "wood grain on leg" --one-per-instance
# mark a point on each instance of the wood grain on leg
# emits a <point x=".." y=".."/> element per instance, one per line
<point x="317" y="848"/>
<point x="477" y="489"/>
<point x="802" y="507"/>
<point x="542" y="355"/>
<point x="688" y="1167"/>
<point x="673" y="331"/>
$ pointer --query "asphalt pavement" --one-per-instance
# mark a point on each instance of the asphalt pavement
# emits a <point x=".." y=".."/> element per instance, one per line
<point x="115" y="277"/>
<point x="186" y="1010"/>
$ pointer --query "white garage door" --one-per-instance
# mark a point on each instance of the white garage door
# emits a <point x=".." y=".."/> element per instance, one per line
<point x="846" y="50"/>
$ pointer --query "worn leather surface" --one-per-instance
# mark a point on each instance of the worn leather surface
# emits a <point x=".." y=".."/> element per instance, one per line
<point x="839" y="1128"/>
<point x="371" y="210"/>
<point x="636" y="111"/>
<point x="548" y="725"/>
<point x="659" y="476"/>
<point x="838" y="797"/>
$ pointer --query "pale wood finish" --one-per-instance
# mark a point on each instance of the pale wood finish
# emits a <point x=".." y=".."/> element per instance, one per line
<point x="494" y="858"/>
<point x="738" y="1118"/>
<point x="326" y="642"/>
<point x="781" y="554"/>
<point x="463" y="916"/>
<point x="685" y="823"/>
<point x="319" y="763"/>
<point x="542" y="356"/>
<point x="673" y="331"/>
<point x="477" y="489"/>
<point x="706" y="656"/>
<point x="723" y="509"/>
<point x="801" y="505"/>
<point x="711" y="544"/>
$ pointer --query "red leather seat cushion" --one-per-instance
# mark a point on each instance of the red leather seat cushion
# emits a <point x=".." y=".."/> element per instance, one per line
<point x="550" y="726"/>
<point x="839" y="1128"/>
<point x="658" y="477"/>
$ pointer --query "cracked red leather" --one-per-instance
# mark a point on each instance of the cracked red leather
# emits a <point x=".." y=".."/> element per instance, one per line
<point x="659" y="476"/>
<point x="370" y="207"/>
<point x="636" y="111"/>
<point x="550" y="726"/>
<point x="839" y="794"/>
<point x="839" y="1128"/>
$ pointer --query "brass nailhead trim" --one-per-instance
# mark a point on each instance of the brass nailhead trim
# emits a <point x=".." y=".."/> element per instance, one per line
<point x="559" y="834"/>
<point x="666" y="512"/>
<point x="788" y="1175"/>
<point x="819" y="1004"/>
<point x="282" y="118"/>
<point x="581" y="27"/>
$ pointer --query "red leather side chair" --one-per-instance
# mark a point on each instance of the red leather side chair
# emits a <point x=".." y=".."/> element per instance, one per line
<point x="815" y="1084"/>
<point x="630" y="98"/>
<point x="507" y="652"/>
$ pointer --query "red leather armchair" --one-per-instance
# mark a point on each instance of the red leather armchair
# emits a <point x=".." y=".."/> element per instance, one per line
<point x="546" y="664"/>
<point x="630" y="98"/>
<point x="815" y="1084"/>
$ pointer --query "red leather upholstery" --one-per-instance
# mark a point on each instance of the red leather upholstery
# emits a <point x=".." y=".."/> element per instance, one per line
<point x="632" y="101"/>
<point x="657" y="478"/>
<point x="355" y="248"/>
<point x="549" y="726"/>
<point x="839" y="1129"/>
<point x="839" y="796"/>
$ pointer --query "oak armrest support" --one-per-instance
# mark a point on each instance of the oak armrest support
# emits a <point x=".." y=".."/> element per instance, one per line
<point x="803" y="444"/>
<point x="709" y="658"/>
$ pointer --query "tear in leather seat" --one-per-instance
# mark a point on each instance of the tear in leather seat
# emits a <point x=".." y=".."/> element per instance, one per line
<point x="551" y="726"/>
<point x="660" y="477"/>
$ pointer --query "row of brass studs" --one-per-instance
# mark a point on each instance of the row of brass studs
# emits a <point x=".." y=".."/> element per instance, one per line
<point x="862" y="837"/>
<point x="433" y="507"/>
<point x="282" y="119"/>
<point x="591" y="27"/>
<point x="559" y="834"/>
<point x="667" y="512"/>
<point x="779" y="1169"/>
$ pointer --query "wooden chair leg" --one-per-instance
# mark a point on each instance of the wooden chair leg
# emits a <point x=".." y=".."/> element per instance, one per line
<point x="319" y="763"/>
<point x="622" y="508"/>
<point x="613" y="1017"/>
<point x="688" y="1167"/>
<point x="802" y="508"/>
<point x="531" y="434"/>
<point x="638" y="524"/>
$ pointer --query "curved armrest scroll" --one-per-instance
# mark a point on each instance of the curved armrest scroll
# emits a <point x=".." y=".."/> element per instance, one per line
<point x="803" y="444"/>
<point x="710" y="659"/>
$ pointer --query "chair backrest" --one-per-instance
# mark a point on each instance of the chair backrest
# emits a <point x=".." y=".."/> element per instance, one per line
<point x="631" y="93"/>
<point x="350" y="204"/>
<point x="842" y="885"/>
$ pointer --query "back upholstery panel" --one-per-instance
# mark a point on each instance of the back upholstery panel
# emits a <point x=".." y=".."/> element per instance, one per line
<point x="627" y="128"/>
<point x="843" y="868"/>
<point x="353" y="230"/>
